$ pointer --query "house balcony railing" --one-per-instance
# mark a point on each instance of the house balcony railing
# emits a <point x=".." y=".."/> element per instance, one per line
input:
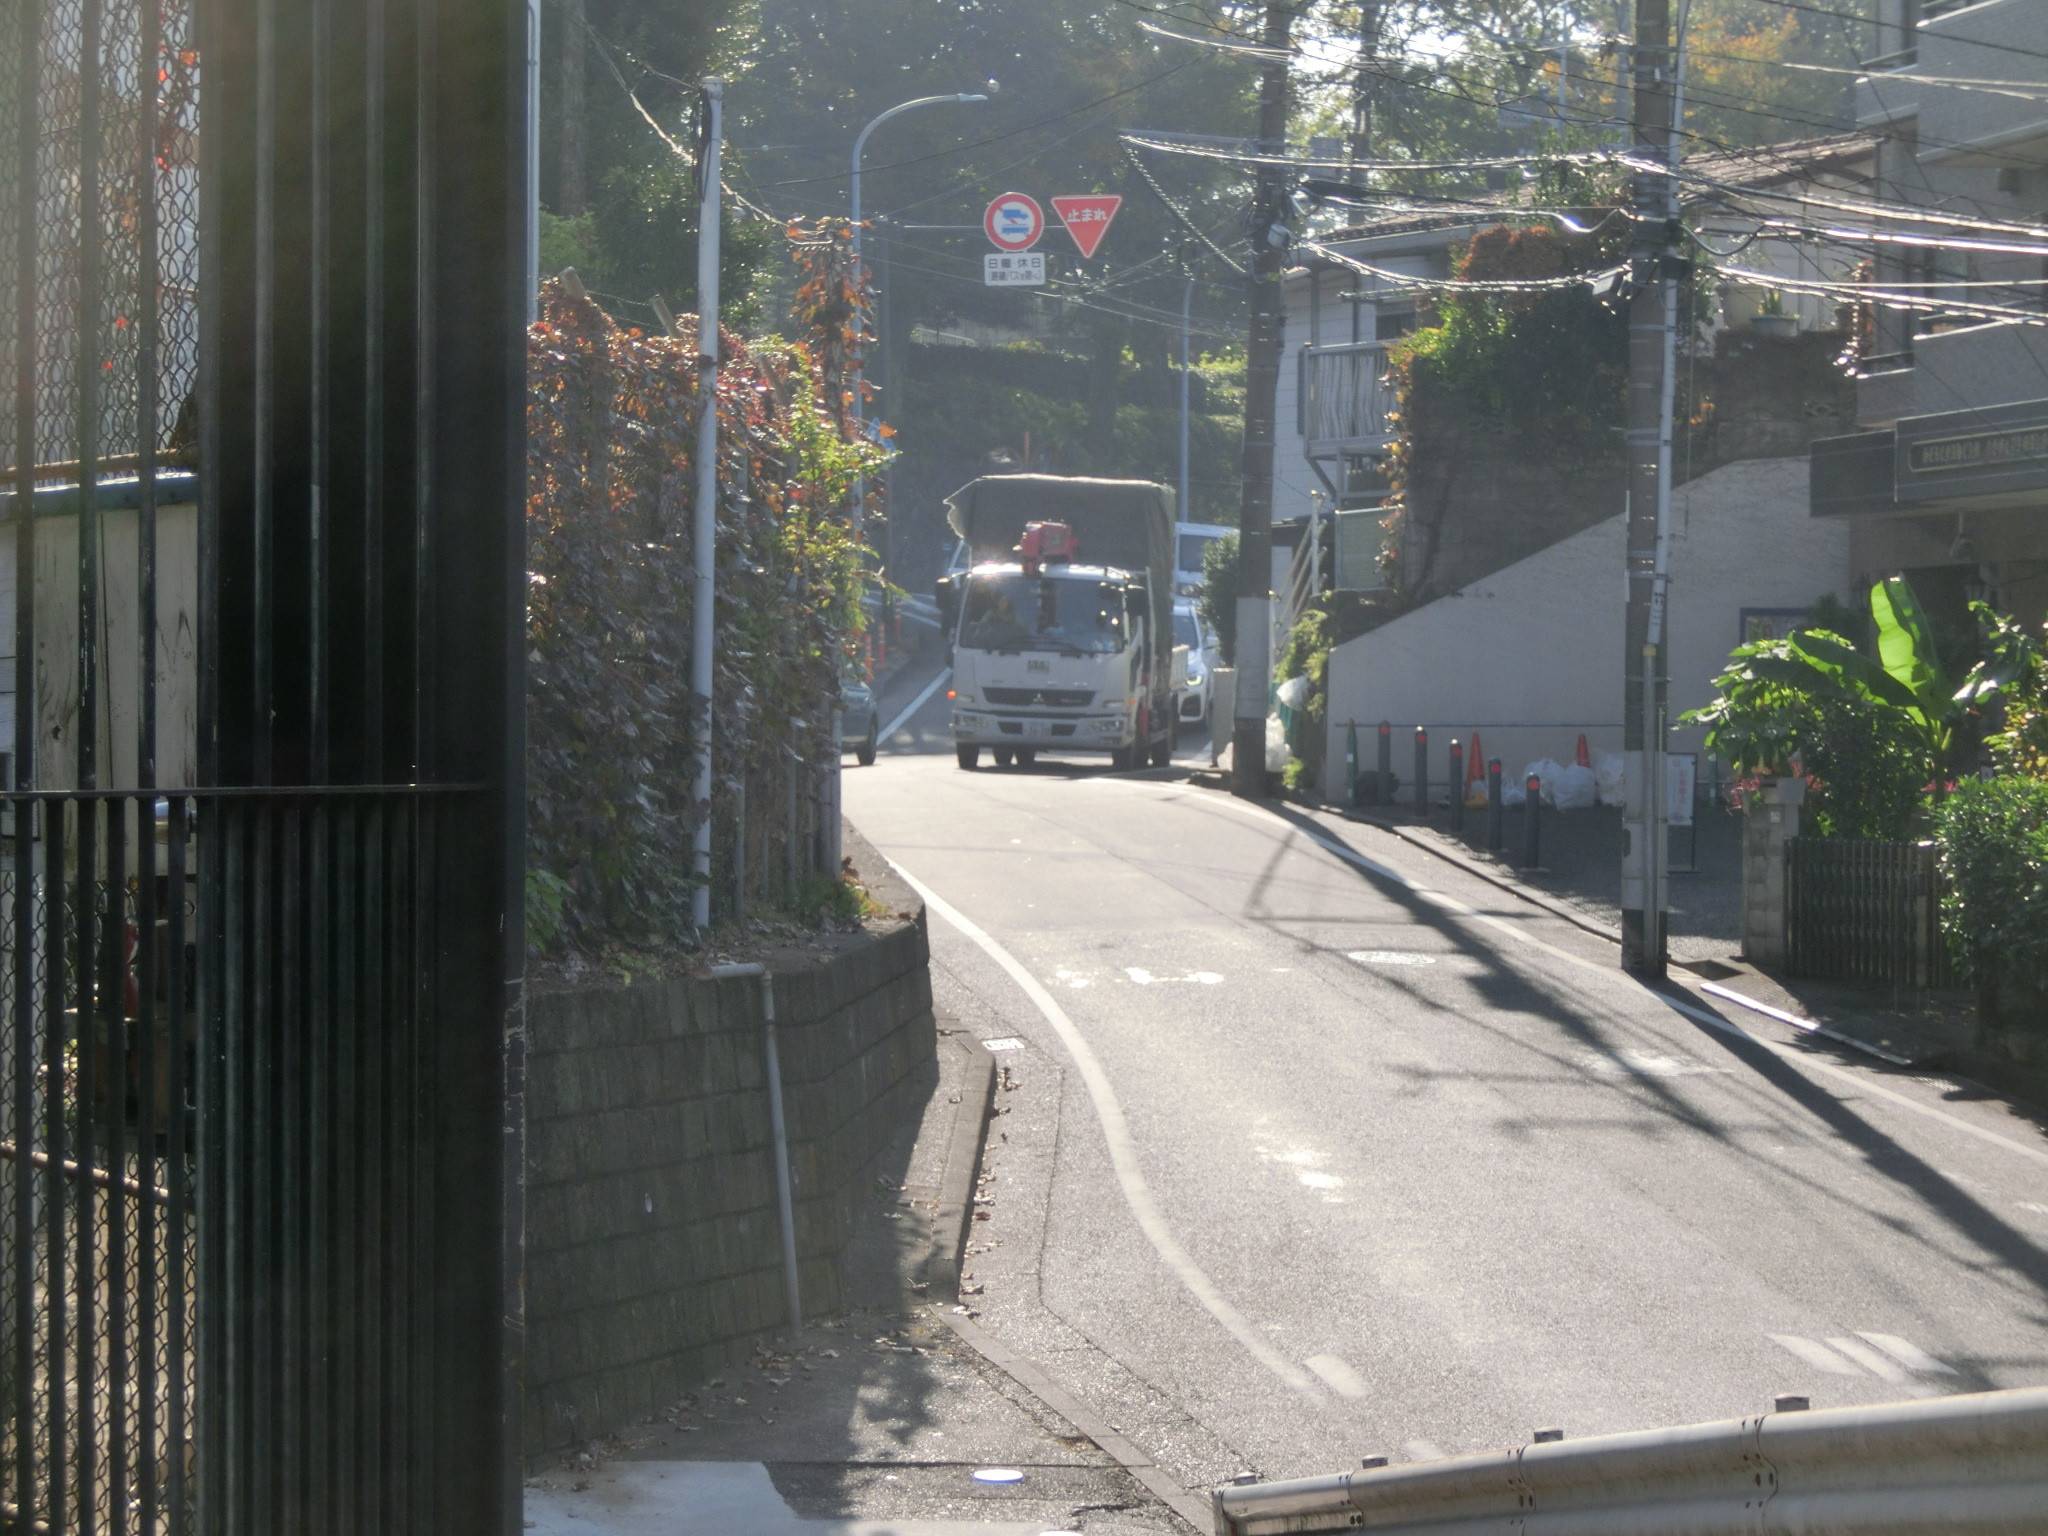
<point x="1344" y="397"/>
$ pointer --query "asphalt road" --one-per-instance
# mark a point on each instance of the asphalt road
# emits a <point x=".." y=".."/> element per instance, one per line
<point x="1311" y="1146"/>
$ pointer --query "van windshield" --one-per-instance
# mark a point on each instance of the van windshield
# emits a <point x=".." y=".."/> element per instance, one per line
<point x="1009" y="611"/>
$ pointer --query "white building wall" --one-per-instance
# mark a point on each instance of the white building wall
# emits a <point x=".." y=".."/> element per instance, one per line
<point x="56" y="660"/>
<point x="1531" y="656"/>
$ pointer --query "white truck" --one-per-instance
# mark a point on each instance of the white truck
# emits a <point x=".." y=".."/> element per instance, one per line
<point x="1062" y="624"/>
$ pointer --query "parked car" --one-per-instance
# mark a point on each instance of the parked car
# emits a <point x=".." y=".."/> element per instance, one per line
<point x="860" y="720"/>
<point x="1199" y="695"/>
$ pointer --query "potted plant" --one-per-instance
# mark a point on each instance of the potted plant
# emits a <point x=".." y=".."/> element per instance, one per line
<point x="1771" y="319"/>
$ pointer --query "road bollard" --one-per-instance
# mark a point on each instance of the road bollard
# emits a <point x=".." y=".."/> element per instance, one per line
<point x="1351" y="761"/>
<point x="1532" y="814"/>
<point x="1457" y="786"/>
<point x="1385" y="786"/>
<point x="1421" y="774"/>
<point x="1494" y="835"/>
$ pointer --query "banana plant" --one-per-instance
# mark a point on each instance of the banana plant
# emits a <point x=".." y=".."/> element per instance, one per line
<point x="1768" y="688"/>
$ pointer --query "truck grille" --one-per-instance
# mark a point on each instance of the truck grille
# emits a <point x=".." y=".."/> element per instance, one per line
<point x="1040" y="698"/>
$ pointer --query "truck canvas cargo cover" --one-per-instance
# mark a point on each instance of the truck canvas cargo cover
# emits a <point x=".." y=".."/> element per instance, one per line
<point x="1125" y="523"/>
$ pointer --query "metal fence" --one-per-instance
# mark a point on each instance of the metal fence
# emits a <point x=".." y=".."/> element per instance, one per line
<point x="100" y="177"/>
<point x="259" y="840"/>
<point x="1867" y="912"/>
<point x="96" y="1158"/>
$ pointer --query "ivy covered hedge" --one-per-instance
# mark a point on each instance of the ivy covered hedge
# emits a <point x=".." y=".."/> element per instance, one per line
<point x="611" y="437"/>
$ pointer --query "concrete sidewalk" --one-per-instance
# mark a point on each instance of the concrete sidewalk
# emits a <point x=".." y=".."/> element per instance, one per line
<point x="885" y="1420"/>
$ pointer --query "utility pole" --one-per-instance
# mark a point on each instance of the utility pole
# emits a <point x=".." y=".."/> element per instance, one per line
<point x="1262" y="377"/>
<point x="704" y="525"/>
<point x="1187" y="304"/>
<point x="1652" y="329"/>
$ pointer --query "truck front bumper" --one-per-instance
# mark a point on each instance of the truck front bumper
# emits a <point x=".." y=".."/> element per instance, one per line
<point x="1073" y="733"/>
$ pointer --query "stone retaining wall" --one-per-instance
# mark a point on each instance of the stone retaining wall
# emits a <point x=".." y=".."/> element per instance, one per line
<point x="653" y="1252"/>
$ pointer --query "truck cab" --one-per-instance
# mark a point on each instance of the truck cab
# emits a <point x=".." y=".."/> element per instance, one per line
<point x="1056" y="654"/>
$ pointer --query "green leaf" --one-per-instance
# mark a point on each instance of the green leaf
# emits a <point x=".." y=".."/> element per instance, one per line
<point x="1905" y="645"/>
<point x="1854" y="676"/>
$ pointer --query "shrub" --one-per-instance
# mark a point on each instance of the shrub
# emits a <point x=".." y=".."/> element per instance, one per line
<point x="612" y="725"/>
<point x="1993" y="836"/>
<point x="1219" y="594"/>
<point x="1307" y="654"/>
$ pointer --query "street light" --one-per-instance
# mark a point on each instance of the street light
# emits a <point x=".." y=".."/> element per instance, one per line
<point x="860" y="144"/>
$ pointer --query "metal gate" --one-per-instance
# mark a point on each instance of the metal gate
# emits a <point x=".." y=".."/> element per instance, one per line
<point x="1866" y="912"/>
<point x="261" y="476"/>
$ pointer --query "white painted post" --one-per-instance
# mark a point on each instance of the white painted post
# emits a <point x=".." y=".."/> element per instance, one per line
<point x="704" y="526"/>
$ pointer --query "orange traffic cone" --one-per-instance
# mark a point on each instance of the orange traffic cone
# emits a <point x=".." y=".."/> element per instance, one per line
<point x="1475" y="773"/>
<point x="1585" y="758"/>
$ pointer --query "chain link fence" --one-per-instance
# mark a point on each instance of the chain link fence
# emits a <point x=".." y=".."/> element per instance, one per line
<point x="99" y="343"/>
<point x="99" y="235"/>
<point x="96" y="1360"/>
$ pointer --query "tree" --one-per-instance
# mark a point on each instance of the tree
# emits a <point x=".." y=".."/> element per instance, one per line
<point x="618" y="187"/>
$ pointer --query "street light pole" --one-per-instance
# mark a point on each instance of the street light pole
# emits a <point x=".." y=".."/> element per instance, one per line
<point x="860" y="144"/>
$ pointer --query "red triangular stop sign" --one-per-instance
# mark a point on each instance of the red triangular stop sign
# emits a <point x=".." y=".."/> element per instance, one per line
<point x="1087" y="219"/>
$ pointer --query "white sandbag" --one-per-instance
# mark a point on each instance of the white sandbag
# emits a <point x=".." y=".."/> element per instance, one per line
<point x="1610" y="777"/>
<point x="1276" y="745"/>
<point x="1293" y="693"/>
<point x="1576" y="789"/>
<point x="1511" y="792"/>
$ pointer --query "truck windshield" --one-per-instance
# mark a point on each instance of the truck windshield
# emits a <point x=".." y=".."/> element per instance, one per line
<point x="1009" y="611"/>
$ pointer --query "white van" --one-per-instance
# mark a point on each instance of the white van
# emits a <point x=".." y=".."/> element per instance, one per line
<point x="1191" y="541"/>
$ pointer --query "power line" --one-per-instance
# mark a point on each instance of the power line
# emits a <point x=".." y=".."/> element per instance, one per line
<point x="1186" y="219"/>
<point x="1974" y="42"/>
<point x="1607" y="275"/>
<point x="1246" y="49"/>
<point x="995" y="138"/>
<point x="1887" y="297"/>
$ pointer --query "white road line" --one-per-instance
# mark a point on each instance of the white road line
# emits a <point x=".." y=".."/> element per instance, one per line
<point x="1909" y="1354"/>
<point x="1868" y="1358"/>
<point x="1815" y="1354"/>
<point x="1337" y="1375"/>
<point x="1123" y="1149"/>
<point x="917" y="703"/>
<point x="1863" y="1082"/>
<point x="1805" y="1026"/>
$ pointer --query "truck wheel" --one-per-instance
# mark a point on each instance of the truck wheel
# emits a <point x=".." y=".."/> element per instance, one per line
<point x="1026" y="757"/>
<point x="1124" y="759"/>
<point x="866" y="755"/>
<point x="1004" y="757"/>
<point x="1162" y="751"/>
<point x="968" y="757"/>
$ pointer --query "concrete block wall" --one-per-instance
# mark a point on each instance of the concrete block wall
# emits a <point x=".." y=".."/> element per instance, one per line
<point x="1532" y="655"/>
<point x="653" y="1252"/>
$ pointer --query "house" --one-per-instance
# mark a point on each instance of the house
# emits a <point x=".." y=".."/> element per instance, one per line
<point x="1332" y="402"/>
<point x="1947" y="476"/>
<point x="1509" y="618"/>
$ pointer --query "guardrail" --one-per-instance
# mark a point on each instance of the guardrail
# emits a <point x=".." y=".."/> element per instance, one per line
<point x="1965" y="1466"/>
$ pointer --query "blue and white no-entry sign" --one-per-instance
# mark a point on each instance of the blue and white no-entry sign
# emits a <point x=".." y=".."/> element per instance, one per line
<point x="1014" y="222"/>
